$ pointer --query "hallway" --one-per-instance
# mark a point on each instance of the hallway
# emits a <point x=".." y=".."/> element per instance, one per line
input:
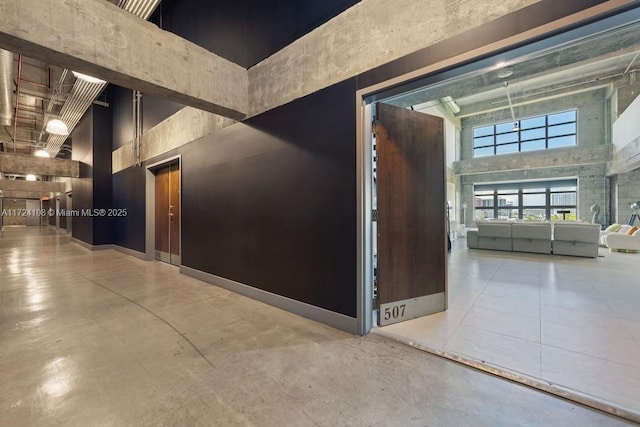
<point x="104" y="339"/>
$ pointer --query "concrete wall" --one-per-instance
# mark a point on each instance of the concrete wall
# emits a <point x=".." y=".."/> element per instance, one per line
<point x="593" y="112"/>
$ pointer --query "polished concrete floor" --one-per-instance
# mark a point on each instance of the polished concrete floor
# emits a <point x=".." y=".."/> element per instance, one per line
<point x="103" y="339"/>
<point x="571" y="322"/>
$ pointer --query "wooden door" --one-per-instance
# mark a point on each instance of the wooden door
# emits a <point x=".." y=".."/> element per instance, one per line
<point x="411" y="214"/>
<point x="167" y="213"/>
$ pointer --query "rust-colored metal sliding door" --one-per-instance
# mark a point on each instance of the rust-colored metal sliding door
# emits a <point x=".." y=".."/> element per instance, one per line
<point x="411" y="210"/>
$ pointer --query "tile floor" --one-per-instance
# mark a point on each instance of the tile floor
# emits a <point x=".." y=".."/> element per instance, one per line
<point x="104" y="339"/>
<point x="574" y="322"/>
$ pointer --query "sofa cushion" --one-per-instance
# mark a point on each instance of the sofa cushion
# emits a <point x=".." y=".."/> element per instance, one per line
<point x="587" y="233"/>
<point x="632" y="230"/>
<point x="613" y="228"/>
<point x="540" y="231"/>
<point x="494" y="229"/>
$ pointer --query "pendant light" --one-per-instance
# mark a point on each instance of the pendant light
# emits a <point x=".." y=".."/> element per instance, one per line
<point x="42" y="153"/>
<point x="57" y="127"/>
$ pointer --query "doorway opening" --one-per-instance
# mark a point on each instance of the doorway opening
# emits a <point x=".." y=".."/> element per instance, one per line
<point x="516" y="124"/>
<point x="166" y="183"/>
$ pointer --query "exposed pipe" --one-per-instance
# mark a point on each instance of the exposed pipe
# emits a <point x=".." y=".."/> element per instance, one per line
<point x="6" y="87"/>
<point x="137" y="125"/>
<point x="15" y="117"/>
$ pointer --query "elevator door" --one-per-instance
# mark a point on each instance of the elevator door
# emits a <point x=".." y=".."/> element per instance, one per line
<point x="411" y="264"/>
<point x="167" y="213"/>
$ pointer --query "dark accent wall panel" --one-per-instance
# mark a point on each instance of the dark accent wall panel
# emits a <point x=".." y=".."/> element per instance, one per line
<point x="83" y="186"/>
<point x="102" y="180"/>
<point x="62" y="205"/>
<point x="271" y="202"/>
<point x="129" y="194"/>
<point x="92" y="190"/>
<point x="246" y="31"/>
<point x="120" y="100"/>
<point x="155" y="110"/>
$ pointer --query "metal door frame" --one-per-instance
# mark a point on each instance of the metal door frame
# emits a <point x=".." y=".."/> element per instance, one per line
<point x="603" y="16"/>
<point x="150" y="206"/>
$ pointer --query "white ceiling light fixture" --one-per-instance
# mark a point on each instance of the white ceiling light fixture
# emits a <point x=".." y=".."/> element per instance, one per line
<point x="57" y="127"/>
<point x="87" y="78"/>
<point x="42" y="153"/>
<point x="505" y="72"/>
<point x="31" y="177"/>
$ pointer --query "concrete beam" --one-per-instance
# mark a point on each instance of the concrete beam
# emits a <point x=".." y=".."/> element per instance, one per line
<point x="187" y="125"/>
<point x="361" y="38"/>
<point x="23" y="164"/>
<point x="535" y="160"/>
<point x="100" y="39"/>
<point x="9" y="188"/>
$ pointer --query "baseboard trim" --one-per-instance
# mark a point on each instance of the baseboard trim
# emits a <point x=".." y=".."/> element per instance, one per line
<point x="333" y="319"/>
<point x="90" y="246"/>
<point x="131" y="252"/>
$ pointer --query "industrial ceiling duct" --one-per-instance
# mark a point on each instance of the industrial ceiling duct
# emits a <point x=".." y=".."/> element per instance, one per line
<point x="6" y="88"/>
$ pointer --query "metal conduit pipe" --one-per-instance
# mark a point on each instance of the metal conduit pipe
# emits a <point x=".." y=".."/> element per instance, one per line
<point x="6" y="87"/>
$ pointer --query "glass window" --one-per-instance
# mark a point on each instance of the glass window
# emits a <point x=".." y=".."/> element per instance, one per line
<point x="506" y="137"/>
<point x="564" y="117"/>
<point x="563" y="214"/>
<point x="534" y="214"/>
<point x="504" y="128"/>
<point x="565" y="129"/>
<point x="562" y="141"/>
<point x="483" y="200"/>
<point x="486" y="151"/>
<point x="484" y="214"/>
<point x="484" y="131"/>
<point x="536" y="144"/>
<point x="532" y="134"/>
<point x="536" y="133"/>
<point x="563" y="199"/>
<point x="524" y="201"/>
<point x="507" y="148"/>
<point x="534" y="199"/>
<point x="483" y="142"/>
<point x="534" y="122"/>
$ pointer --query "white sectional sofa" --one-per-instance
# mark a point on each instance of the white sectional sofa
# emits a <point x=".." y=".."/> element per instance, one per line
<point x="576" y="239"/>
<point x="560" y="238"/>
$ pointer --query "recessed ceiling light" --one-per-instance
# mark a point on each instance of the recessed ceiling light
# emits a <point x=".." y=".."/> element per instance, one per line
<point x="505" y="72"/>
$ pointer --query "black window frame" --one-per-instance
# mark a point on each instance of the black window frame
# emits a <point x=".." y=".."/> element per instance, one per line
<point x="489" y="140"/>
<point x="547" y="188"/>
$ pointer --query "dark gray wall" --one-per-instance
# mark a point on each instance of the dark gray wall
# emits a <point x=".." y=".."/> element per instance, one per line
<point x="246" y="31"/>
<point x="129" y="194"/>
<point x="271" y="202"/>
<point x="93" y="189"/>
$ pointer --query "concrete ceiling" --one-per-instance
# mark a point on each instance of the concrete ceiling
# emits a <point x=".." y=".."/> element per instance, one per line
<point x="41" y="91"/>
<point x="607" y="60"/>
